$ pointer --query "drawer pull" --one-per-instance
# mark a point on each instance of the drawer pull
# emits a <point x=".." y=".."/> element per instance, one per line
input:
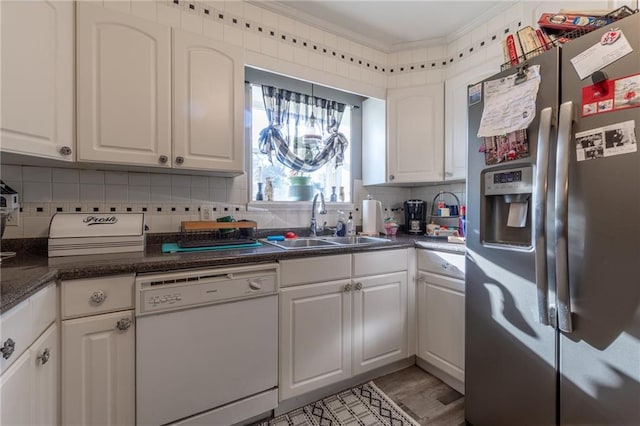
<point x="98" y="297"/>
<point x="446" y="266"/>
<point x="358" y="286"/>
<point x="7" y="348"/>
<point x="123" y="324"/>
<point x="46" y="354"/>
<point x="348" y="288"/>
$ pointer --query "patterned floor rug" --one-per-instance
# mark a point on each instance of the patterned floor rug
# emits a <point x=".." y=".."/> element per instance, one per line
<point x="364" y="405"/>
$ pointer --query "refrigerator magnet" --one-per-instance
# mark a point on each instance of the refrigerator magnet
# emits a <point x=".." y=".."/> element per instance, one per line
<point x="475" y="94"/>
<point x="615" y="139"/>
<point x="612" y="46"/>
<point x="611" y="95"/>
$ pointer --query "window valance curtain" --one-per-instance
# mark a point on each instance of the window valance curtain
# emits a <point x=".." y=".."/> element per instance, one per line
<point x="300" y="152"/>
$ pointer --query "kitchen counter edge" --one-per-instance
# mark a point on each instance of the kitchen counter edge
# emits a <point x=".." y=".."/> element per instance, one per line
<point x="22" y="277"/>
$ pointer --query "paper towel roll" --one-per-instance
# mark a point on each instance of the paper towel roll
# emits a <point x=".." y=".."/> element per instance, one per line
<point x="372" y="220"/>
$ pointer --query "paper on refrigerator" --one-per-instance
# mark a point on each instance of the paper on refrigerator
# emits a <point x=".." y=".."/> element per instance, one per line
<point x="509" y="106"/>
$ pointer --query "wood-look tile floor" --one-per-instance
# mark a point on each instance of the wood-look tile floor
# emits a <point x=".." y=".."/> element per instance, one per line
<point x="424" y="397"/>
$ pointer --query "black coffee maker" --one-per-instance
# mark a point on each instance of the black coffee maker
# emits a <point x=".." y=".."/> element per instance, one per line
<point x="415" y="212"/>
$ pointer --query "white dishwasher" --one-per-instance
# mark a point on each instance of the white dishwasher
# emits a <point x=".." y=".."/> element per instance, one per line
<point x="206" y="345"/>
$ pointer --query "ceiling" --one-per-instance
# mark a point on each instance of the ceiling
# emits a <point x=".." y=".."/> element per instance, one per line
<point x="390" y="25"/>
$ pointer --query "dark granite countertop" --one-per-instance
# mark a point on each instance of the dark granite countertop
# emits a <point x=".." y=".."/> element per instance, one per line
<point x="28" y="272"/>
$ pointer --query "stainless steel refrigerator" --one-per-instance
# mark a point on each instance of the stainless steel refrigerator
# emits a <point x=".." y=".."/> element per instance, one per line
<point x="553" y="300"/>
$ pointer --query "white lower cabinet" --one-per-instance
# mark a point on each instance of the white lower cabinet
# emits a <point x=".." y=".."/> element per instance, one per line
<point x="379" y="321"/>
<point x="15" y="392"/>
<point x="98" y="353"/>
<point x="441" y="302"/>
<point x="331" y="331"/>
<point x="45" y="361"/>
<point x="29" y="383"/>
<point x="315" y="336"/>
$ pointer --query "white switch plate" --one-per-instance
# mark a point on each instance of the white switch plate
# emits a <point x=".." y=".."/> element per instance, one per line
<point x="13" y="218"/>
<point x="206" y="212"/>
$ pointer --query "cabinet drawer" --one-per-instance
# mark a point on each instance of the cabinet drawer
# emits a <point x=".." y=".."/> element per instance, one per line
<point x="379" y="262"/>
<point x="441" y="263"/>
<point x="96" y="295"/>
<point x="16" y="333"/>
<point x="315" y="269"/>
<point x="23" y="323"/>
<point x="43" y="309"/>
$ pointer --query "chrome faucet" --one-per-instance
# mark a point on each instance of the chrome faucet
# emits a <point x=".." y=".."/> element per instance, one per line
<point x="323" y="210"/>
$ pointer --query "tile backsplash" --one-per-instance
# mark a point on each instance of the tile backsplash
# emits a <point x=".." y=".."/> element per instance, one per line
<point x="168" y="199"/>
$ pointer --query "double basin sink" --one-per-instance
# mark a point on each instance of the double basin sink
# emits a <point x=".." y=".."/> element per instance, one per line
<point x="325" y="242"/>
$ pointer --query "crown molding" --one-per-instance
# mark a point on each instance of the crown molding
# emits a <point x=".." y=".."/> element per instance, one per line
<point x="281" y="8"/>
<point x="479" y="20"/>
<point x="289" y="12"/>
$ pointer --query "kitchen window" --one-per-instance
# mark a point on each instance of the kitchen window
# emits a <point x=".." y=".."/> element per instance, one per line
<point x="305" y="133"/>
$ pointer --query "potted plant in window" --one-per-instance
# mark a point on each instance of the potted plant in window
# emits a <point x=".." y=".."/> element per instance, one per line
<point x="300" y="187"/>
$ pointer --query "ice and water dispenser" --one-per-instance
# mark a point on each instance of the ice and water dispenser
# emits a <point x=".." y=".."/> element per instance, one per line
<point x="506" y="206"/>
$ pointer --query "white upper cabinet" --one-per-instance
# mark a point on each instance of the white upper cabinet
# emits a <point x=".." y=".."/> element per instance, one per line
<point x="37" y="78"/>
<point x="208" y="88"/>
<point x="124" y="88"/>
<point x="455" y="118"/>
<point x="415" y="142"/>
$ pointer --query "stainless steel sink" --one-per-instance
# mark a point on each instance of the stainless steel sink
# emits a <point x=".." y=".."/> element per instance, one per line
<point x="302" y="243"/>
<point x="324" y="242"/>
<point x="354" y="240"/>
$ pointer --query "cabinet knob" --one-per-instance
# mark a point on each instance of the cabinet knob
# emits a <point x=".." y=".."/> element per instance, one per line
<point x="179" y="160"/>
<point x="392" y="177"/>
<point x="448" y="174"/>
<point x="65" y="150"/>
<point x="163" y="159"/>
<point x="123" y="324"/>
<point x="446" y="266"/>
<point x="98" y="297"/>
<point x="46" y="354"/>
<point x="7" y="348"/>
<point x="348" y="288"/>
<point x="358" y="286"/>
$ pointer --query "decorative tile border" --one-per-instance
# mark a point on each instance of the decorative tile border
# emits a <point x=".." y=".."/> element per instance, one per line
<point x="239" y="22"/>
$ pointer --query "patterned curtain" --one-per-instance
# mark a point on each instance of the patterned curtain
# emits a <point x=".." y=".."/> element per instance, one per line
<point x="285" y="108"/>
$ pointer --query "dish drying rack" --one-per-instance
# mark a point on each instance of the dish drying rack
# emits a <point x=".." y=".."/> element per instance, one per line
<point x="213" y="234"/>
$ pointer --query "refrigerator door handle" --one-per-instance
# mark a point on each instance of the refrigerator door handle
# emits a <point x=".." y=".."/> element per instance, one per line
<point x="562" y="214"/>
<point x="539" y="214"/>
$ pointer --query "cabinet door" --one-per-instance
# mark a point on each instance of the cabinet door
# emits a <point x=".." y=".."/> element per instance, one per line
<point x="208" y="104"/>
<point x="441" y="323"/>
<point x="44" y="399"/>
<point x="98" y="376"/>
<point x="15" y="392"/>
<point x="315" y="337"/>
<point x="415" y="138"/>
<point x="37" y="78"/>
<point x="456" y="104"/>
<point x="379" y="321"/>
<point x="124" y="111"/>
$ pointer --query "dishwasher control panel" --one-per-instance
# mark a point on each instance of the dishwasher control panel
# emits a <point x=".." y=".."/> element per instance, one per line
<point x="180" y="289"/>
